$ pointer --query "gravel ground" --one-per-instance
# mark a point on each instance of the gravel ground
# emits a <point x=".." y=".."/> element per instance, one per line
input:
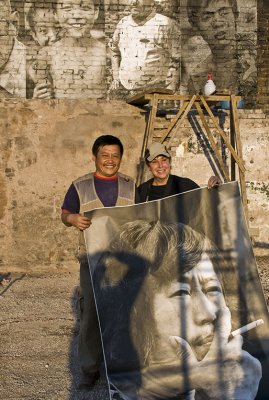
<point x="39" y="333"/>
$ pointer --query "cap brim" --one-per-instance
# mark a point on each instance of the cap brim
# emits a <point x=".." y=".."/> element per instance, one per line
<point x="154" y="155"/>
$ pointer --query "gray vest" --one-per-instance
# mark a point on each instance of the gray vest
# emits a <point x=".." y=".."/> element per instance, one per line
<point x="89" y="200"/>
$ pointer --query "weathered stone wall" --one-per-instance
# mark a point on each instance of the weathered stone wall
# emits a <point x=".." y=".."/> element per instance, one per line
<point x="46" y="144"/>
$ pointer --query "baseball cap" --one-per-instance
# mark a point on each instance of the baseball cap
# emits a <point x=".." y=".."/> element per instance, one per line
<point x="156" y="149"/>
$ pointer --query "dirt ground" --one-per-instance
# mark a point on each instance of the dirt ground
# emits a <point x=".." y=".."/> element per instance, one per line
<point x="39" y="333"/>
<point x="38" y="338"/>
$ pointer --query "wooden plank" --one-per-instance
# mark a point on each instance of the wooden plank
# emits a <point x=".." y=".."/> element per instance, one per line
<point x="158" y="134"/>
<point x="232" y="141"/>
<point x="147" y="135"/>
<point x="143" y="98"/>
<point x="223" y="134"/>
<point x="161" y="125"/>
<point x="174" y="121"/>
<point x="187" y="97"/>
<point x="212" y="142"/>
<point x="177" y="122"/>
<point x="152" y="117"/>
<point x="217" y="98"/>
<point x="240" y="153"/>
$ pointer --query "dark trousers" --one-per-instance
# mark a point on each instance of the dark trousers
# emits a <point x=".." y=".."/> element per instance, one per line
<point x="89" y="346"/>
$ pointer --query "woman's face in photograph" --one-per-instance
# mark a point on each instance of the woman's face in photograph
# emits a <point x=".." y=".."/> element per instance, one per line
<point x="188" y="308"/>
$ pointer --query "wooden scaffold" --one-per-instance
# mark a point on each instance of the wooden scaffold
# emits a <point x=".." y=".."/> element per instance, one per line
<point x="202" y="105"/>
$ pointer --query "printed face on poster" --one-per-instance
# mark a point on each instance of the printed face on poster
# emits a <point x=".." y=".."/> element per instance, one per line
<point x="174" y="280"/>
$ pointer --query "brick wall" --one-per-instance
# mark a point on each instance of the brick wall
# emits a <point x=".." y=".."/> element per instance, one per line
<point x="150" y="54"/>
<point x="263" y="54"/>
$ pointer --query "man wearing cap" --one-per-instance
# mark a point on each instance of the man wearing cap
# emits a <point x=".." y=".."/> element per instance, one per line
<point x="105" y="187"/>
<point x="163" y="184"/>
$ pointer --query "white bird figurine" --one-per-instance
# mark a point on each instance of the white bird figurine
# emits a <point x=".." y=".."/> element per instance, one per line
<point x="210" y="87"/>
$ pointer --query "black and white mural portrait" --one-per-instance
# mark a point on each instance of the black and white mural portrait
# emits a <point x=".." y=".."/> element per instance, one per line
<point x="12" y="54"/>
<point x="105" y="49"/>
<point x="180" y="305"/>
<point x="220" y="39"/>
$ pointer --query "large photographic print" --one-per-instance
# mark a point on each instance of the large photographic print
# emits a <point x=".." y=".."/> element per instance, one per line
<point x="180" y="304"/>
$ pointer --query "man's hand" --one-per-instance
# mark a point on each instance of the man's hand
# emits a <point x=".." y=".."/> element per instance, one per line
<point x="213" y="181"/>
<point x="77" y="220"/>
<point x="227" y="372"/>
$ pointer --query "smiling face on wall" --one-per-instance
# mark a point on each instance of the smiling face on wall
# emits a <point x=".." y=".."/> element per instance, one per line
<point x="76" y="17"/>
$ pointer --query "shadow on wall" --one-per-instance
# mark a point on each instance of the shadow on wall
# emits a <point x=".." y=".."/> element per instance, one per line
<point x="204" y="143"/>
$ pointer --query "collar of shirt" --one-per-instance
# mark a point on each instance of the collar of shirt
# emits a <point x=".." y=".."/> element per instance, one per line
<point x="104" y="178"/>
<point x="150" y="16"/>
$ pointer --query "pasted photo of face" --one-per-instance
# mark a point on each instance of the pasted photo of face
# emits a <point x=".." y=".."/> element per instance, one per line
<point x="215" y="19"/>
<point x="76" y="17"/>
<point x="213" y="39"/>
<point x="145" y="50"/>
<point x="140" y="9"/>
<point x="43" y="25"/>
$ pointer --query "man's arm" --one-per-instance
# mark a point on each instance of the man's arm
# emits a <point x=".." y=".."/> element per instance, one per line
<point x="225" y="372"/>
<point x="77" y="220"/>
<point x="70" y="210"/>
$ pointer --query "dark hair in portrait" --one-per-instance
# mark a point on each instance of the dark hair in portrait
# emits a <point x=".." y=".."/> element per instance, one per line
<point x="194" y="8"/>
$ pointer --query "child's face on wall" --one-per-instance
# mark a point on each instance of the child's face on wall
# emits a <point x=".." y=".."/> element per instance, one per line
<point x="76" y="17"/>
<point x="45" y="28"/>
<point x="140" y="9"/>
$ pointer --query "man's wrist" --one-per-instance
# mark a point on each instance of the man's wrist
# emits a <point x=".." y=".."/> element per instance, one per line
<point x="68" y="218"/>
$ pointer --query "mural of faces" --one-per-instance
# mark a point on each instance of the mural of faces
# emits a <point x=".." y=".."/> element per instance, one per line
<point x="216" y="22"/>
<point x="140" y="9"/>
<point x="128" y="48"/>
<point x="12" y="55"/>
<point x="76" y="17"/>
<point x="43" y="25"/>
